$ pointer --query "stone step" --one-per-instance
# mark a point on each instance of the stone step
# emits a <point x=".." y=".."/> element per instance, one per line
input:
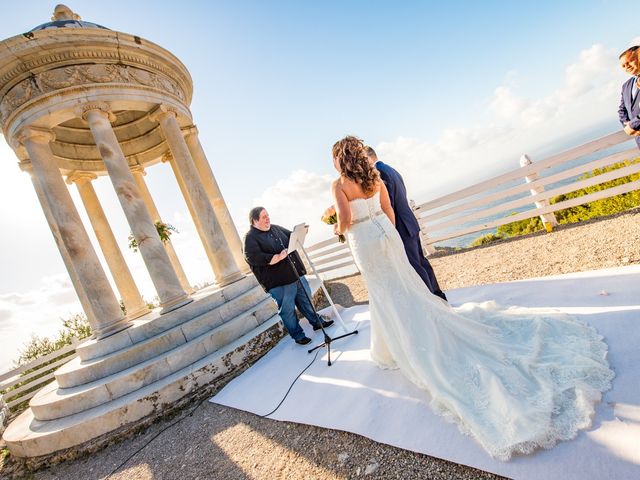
<point x="53" y="402"/>
<point x="153" y="323"/>
<point x="79" y="372"/>
<point x="29" y="437"/>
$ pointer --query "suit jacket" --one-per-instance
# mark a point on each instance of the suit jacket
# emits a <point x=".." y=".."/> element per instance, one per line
<point x="406" y="222"/>
<point x="630" y="111"/>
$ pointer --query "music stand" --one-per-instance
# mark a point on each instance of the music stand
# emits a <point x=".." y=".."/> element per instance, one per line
<point x="296" y="242"/>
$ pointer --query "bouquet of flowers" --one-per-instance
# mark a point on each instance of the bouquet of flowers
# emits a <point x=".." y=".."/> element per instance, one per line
<point x="330" y="217"/>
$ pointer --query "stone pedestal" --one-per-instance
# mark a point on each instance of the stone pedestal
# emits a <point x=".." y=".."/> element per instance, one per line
<point x="137" y="375"/>
<point x="78" y="100"/>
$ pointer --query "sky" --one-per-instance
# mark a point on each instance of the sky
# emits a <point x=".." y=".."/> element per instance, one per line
<point x="449" y="93"/>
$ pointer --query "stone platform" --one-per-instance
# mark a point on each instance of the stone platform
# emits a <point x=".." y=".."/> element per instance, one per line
<point x="139" y="372"/>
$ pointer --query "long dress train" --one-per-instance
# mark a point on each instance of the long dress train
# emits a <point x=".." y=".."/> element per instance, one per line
<point x="515" y="382"/>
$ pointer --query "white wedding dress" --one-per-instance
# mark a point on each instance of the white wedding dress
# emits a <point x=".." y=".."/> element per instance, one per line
<point x="513" y="381"/>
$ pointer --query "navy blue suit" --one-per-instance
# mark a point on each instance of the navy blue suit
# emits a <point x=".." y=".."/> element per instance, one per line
<point x="630" y="111"/>
<point x="408" y="227"/>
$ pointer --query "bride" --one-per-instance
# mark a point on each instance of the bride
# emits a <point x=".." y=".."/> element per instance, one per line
<point x="513" y="381"/>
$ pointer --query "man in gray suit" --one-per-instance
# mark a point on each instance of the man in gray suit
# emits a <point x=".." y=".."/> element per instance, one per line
<point x="629" y="111"/>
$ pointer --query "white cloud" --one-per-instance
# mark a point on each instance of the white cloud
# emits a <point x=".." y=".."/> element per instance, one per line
<point x="301" y="197"/>
<point x="36" y="311"/>
<point x="588" y="96"/>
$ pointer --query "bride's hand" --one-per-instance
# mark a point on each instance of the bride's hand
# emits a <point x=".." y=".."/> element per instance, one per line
<point x="335" y="229"/>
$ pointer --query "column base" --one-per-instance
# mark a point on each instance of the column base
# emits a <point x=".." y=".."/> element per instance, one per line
<point x="234" y="277"/>
<point x="111" y="329"/>
<point x="175" y="303"/>
<point x="137" y="312"/>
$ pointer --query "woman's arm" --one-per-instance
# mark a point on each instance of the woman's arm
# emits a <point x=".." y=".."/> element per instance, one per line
<point x="385" y="203"/>
<point x="342" y="208"/>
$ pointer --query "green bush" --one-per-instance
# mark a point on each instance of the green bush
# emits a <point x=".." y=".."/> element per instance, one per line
<point x="74" y="326"/>
<point x="490" y="237"/>
<point x="599" y="208"/>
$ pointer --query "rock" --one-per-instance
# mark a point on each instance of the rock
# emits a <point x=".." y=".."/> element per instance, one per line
<point x="371" y="468"/>
<point x="343" y="457"/>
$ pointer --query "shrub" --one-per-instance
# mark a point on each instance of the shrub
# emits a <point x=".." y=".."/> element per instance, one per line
<point x="599" y="208"/>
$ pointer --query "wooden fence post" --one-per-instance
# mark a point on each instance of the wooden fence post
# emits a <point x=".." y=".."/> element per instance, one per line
<point x="548" y="219"/>
<point x="4" y="414"/>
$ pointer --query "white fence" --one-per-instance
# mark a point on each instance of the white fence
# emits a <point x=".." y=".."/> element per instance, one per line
<point x="489" y="204"/>
<point x="461" y="212"/>
<point x="16" y="386"/>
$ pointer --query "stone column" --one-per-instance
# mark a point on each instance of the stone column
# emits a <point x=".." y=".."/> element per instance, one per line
<point x="75" y="246"/>
<point x="155" y="257"/>
<point x="168" y="158"/>
<point x="25" y="165"/>
<point x="215" y="197"/>
<point x="133" y="302"/>
<point x="224" y="266"/>
<point x="138" y="175"/>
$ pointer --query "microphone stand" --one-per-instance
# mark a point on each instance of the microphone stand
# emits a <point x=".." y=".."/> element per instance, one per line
<point x="327" y="339"/>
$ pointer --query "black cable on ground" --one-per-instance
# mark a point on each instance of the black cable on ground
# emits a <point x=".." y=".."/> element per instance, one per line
<point x="122" y="464"/>
<point x="291" y="386"/>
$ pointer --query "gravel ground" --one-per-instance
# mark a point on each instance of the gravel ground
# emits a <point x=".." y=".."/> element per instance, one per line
<point x="216" y="442"/>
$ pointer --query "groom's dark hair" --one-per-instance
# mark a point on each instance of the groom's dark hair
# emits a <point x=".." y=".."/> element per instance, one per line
<point x="371" y="153"/>
<point x="629" y="50"/>
<point x="254" y="214"/>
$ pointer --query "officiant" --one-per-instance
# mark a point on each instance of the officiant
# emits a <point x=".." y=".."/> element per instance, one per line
<point x="265" y="252"/>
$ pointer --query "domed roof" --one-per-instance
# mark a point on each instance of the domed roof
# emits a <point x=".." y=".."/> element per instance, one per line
<point x="64" y="17"/>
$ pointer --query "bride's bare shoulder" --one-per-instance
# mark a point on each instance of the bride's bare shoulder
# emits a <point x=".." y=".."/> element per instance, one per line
<point x="337" y="186"/>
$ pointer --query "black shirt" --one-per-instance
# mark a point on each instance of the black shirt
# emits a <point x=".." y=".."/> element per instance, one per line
<point x="259" y="249"/>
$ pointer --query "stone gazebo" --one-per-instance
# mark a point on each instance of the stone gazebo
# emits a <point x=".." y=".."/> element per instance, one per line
<point x="78" y="101"/>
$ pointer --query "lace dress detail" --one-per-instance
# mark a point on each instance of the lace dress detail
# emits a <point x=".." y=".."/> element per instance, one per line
<point x="513" y="379"/>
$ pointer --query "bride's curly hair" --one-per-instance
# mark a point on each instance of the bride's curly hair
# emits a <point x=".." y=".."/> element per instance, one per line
<point x="350" y="153"/>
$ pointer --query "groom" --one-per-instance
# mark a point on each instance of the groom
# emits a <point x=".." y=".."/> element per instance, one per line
<point x="406" y="223"/>
<point x="629" y="111"/>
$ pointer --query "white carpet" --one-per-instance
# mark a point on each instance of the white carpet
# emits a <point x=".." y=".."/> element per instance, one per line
<point x="356" y="396"/>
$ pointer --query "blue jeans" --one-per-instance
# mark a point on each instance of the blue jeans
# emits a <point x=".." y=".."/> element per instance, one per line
<point x="290" y="296"/>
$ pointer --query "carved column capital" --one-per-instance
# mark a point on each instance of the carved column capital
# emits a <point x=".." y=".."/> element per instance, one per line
<point x="21" y="152"/>
<point x="80" y="177"/>
<point x="82" y="110"/>
<point x="36" y="134"/>
<point x="162" y="111"/>
<point x="26" y="166"/>
<point x="166" y="157"/>
<point x="190" y="130"/>
<point x="139" y="169"/>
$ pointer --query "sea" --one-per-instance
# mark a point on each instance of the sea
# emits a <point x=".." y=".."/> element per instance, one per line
<point x="466" y="240"/>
